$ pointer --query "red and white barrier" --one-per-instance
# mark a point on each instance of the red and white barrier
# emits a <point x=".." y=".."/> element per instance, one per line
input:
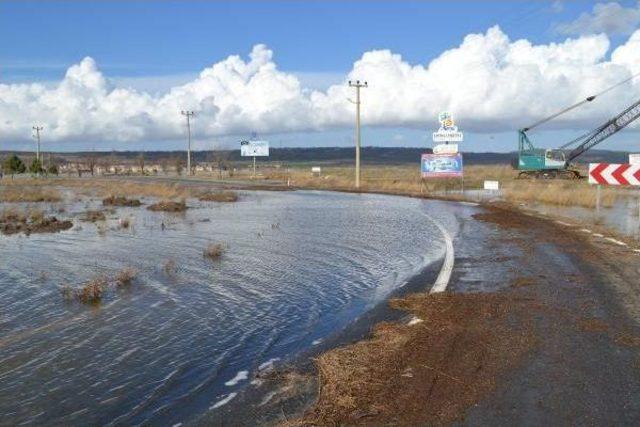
<point x="614" y="174"/>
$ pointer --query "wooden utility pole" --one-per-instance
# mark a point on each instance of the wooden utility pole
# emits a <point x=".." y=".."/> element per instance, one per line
<point x="357" y="85"/>
<point x="38" y="129"/>
<point x="188" y="115"/>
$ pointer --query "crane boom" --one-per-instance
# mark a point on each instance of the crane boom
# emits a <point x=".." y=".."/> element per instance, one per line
<point x="606" y="130"/>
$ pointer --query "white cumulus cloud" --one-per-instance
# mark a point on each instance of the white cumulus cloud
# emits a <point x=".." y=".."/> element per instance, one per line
<point x="489" y="82"/>
<point x="610" y="18"/>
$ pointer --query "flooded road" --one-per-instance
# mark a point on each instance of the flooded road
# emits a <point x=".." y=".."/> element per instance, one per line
<point x="190" y="331"/>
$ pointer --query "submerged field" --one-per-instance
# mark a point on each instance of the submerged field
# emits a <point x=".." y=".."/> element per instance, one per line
<point x="137" y="315"/>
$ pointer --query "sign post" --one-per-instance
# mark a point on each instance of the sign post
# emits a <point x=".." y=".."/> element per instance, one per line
<point x="254" y="149"/>
<point x="446" y="160"/>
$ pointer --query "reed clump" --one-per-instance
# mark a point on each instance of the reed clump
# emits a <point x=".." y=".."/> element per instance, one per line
<point x="120" y="201"/>
<point x="214" y="251"/>
<point x="14" y="221"/>
<point x="93" y="216"/>
<point x="125" y="276"/>
<point x="219" y="196"/>
<point x="91" y="292"/>
<point x="168" y="206"/>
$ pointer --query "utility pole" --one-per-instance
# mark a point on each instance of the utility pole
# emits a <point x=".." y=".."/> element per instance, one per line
<point x="357" y="85"/>
<point x="188" y="115"/>
<point x="38" y="129"/>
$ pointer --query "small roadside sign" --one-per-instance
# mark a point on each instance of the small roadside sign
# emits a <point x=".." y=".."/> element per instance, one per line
<point x="634" y="159"/>
<point x="492" y="185"/>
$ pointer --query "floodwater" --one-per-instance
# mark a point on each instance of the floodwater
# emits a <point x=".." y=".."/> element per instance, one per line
<point x="180" y="341"/>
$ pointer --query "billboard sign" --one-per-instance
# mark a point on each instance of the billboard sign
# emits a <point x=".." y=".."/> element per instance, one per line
<point x="441" y="165"/>
<point x="445" y="149"/>
<point x="448" y="131"/>
<point x="634" y="159"/>
<point x="254" y="148"/>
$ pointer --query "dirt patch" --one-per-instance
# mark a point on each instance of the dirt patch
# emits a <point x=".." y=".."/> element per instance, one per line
<point x="427" y="373"/>
<point x="593" y="325"/>
<point x="521" y="282"/>
<point x="219" y="196"/>
<point x="168" y="206"/>
<point x="120" y="201"/>
<point x="214" y="251"/>
<point x="14" y="222"/>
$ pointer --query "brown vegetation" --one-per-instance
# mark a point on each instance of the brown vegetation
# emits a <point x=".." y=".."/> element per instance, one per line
<point x="126" y="276"/>
<point x="427" y="373"/>
<point x="14" y="194"/>
<point x="120" y="201"/>
<point x="168" y="206"/>
<point x="93" y="216"/>
<point x="90" y="293"/>
<point x="219" y="196"/>
<point x="214" y="251"/>
<point x="13" y="221"/>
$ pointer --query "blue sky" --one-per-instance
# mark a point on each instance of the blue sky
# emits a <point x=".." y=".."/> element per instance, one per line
<point x="152" y="46"/>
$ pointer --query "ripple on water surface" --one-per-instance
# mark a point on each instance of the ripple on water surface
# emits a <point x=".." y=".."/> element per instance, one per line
<point x="181" y="340"/>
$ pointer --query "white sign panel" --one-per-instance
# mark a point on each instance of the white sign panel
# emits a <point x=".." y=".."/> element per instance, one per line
<point x="492" y="185"/>
<point x="316" y="169"/>
<point x="634" y="159"/>
<point x="445" y="149"/>
<point x="448" y="131"/>
<point x="254" y="148"/>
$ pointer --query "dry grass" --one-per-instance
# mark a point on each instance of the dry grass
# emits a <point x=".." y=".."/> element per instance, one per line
<point x="405" y="180"/>
<point x="168" y="206"/>
<point x="126" y="276"/>
<point x="14" y="194"/>
<point x="401" y="377"/>
<point x="214" y="251"/>
<point x="101" y="187"/>
<point x="219" y="196"/>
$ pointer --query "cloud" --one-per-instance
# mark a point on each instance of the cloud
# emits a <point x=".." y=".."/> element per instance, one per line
<point x="609" y="18"/>
<point x="489" y="82"/>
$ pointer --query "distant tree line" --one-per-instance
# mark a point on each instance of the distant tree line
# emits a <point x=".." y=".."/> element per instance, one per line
<point x="14" y="165"/>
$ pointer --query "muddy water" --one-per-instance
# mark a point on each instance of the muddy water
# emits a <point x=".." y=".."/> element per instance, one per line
<point x="181" y="341"/>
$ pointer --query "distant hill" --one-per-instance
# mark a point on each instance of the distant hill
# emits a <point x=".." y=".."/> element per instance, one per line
<point x="324" y="155"/>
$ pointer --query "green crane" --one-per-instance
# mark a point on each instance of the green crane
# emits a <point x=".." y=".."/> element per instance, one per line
<point x="535" y="162"/>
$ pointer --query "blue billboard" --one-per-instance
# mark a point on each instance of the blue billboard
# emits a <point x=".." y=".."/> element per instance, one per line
<point x="441" y="165"/>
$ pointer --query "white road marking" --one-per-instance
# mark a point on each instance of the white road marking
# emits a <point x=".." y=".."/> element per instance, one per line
<point x="617" y="242"/>
<point x="597" y="235"/>
<point x="442" y="281"/>
<point x="414" y="321"/>
<point x="586" y="230"/>
<point x="564" y="223"/>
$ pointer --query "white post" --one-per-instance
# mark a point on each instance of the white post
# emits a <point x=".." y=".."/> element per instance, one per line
<point x="598" y="198"/>
<point x="254" y="167"/>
